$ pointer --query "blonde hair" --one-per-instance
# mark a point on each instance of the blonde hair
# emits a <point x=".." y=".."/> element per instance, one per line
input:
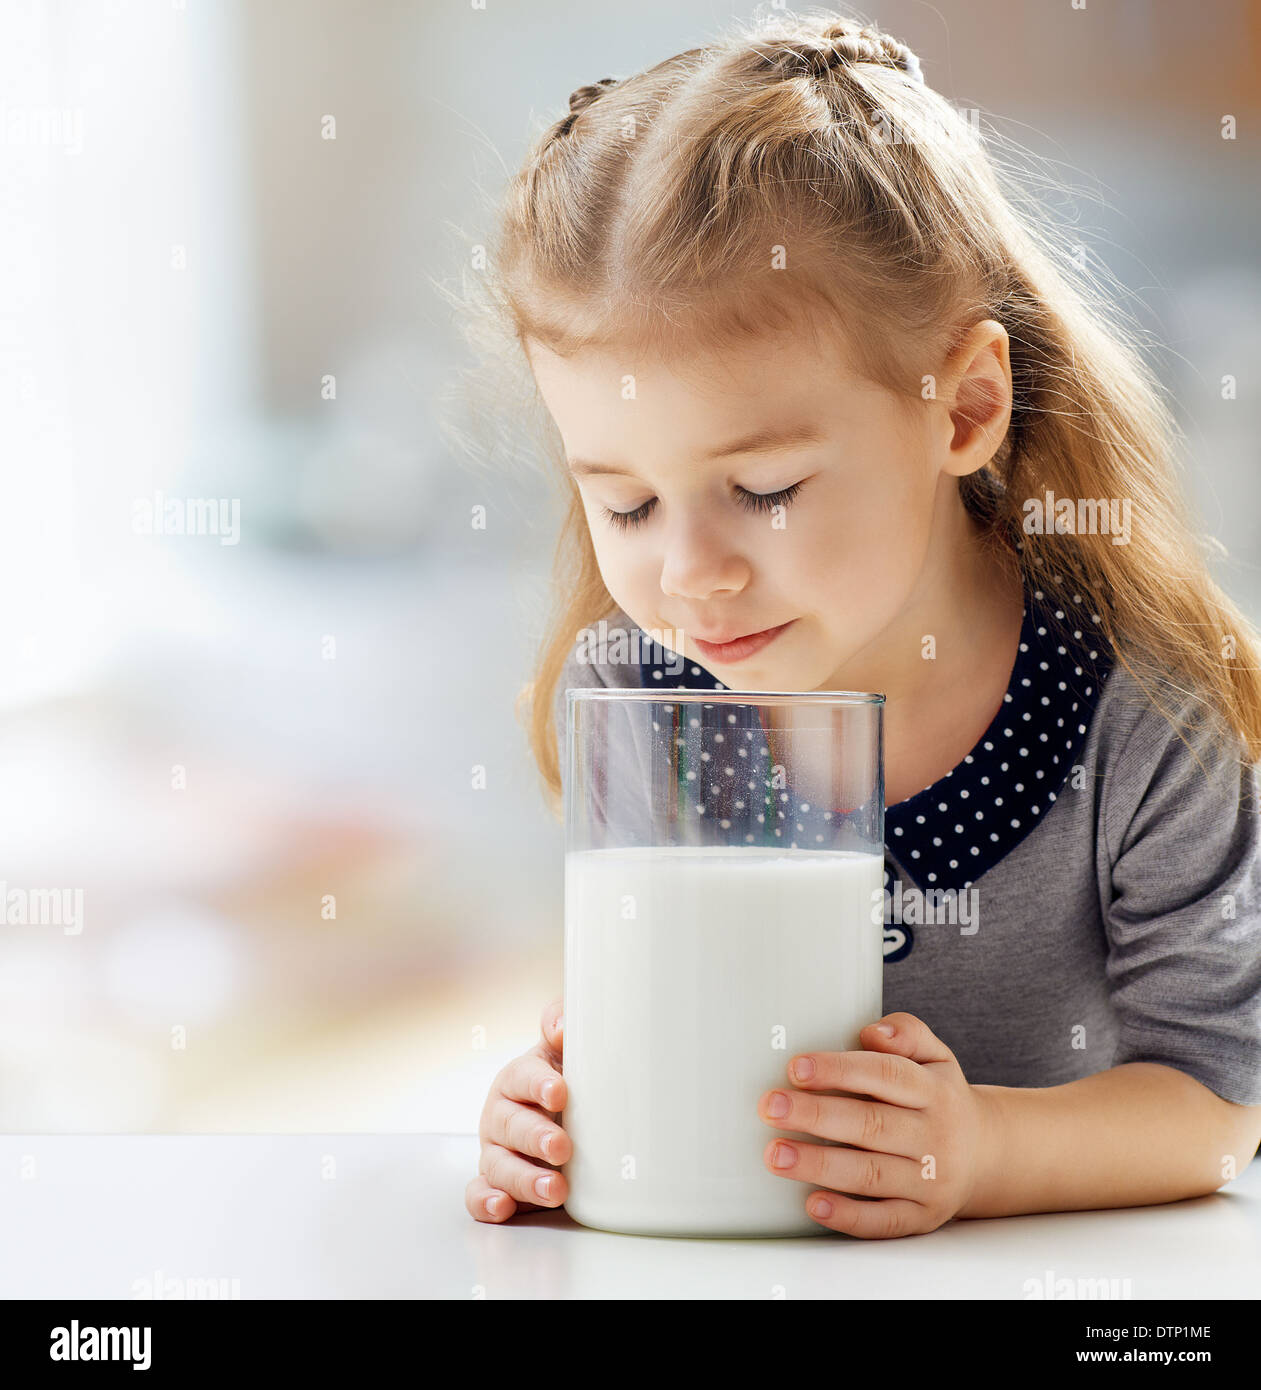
<point x="654" y="211"/>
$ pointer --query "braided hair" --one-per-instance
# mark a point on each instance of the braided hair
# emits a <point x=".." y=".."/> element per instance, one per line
<point x="580" y="99"/>
<point x="843" y="44"/>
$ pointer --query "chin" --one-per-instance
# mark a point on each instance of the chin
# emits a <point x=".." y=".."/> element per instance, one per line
<point x="760" y="678"/>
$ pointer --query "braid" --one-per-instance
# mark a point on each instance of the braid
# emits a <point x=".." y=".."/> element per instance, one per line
<point x="580" y="99"/>
<point x="843" y="44"/>
<point x="852" y="43"/>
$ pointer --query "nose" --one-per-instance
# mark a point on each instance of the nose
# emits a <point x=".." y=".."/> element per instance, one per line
<point x="699" y="563"/>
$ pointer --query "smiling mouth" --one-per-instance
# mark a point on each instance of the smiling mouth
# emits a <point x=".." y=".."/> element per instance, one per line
<point x="740" y="648"/>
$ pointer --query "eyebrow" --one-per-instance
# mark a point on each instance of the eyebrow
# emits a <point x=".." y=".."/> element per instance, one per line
<point x="762" y="441"/>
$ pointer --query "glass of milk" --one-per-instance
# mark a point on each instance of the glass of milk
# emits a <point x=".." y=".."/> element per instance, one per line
<point x="723" y="912"/>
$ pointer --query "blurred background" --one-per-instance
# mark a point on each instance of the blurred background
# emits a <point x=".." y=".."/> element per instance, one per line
<point x="244" y="748"/>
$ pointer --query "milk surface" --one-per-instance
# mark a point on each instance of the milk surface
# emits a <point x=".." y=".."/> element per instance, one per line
<point x="692" y="976"/>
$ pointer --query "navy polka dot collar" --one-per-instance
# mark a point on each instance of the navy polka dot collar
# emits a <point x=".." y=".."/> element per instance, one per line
<point x="952" y="832"/>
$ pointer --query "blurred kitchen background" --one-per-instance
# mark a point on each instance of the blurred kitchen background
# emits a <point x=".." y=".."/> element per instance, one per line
<point x="254" y="757"/>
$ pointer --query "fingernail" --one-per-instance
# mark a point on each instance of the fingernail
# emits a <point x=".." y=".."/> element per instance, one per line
<point x="777" y="1106"/>
<point x="543" y="1186"/>
<point x="886" y="1028"/>
<point x="560" y="1022"/>
<point x="821" y="1208"/>
<point x="546" y="1144"/>
<point x="803" y="1068"/>
<point x="496" y="1205"/>
<point x="547" y="1092"/>
<point x="784" y="1156"/>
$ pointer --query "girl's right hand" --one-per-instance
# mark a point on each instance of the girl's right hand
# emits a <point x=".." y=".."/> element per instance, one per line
<point x="522" y="1145"/>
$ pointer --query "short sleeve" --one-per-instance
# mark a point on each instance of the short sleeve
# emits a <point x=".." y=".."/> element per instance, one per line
<point x="1184" y="921"/>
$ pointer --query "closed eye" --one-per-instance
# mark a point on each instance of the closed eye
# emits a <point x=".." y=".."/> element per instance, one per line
<point x="768" y="501"/>
<point x="751" y="501"/>
<point x="625" y="520"/>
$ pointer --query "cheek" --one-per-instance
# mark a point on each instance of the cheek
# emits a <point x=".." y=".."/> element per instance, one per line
<point x="862" y="538"/>
<point x="630" y="572"/>
<point x="844" y="532"/>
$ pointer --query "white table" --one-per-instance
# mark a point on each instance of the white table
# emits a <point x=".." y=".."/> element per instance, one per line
<point x="382" y="1216"/>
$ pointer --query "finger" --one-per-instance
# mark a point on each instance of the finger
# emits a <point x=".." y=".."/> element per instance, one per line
<point x="884" y="1075"/>
<point x="487" y="1203"/>
<point x="532" y="1079"/>
<point x="858" y="1120"/>
<point x="882" y="1220"/>
<point x="553" y="1027"/>
<point x="911" y="1037"/>
<point x="526" y="1129"/>
<point x="845" y="1170"/>
<point x="520" y="1178"/>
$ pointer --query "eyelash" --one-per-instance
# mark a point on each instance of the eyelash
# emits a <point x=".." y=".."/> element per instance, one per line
<point x="751" y="501"/>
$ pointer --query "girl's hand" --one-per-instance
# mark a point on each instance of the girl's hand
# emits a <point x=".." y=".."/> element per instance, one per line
<point x="520" y="1138"/>
<point x="921" y="1136"/>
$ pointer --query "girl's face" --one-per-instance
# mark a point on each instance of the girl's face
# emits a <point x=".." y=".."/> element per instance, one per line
<point x="773" y="488"/>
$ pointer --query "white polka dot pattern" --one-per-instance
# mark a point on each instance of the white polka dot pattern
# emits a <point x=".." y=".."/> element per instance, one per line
<point x="950" y="833"/>
<point x="975" y="815"/>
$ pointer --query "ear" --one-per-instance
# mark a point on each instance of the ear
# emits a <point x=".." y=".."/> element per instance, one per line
<point x="977" y="396"/>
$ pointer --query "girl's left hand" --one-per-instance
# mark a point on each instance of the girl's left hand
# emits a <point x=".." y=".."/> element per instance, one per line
<point x="921" y="1136"/>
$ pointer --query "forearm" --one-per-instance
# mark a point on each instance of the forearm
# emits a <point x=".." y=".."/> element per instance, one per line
<point x="1134" y="1135"/>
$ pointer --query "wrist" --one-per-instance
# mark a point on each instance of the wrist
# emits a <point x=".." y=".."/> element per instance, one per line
<point x="990" y="1163"/>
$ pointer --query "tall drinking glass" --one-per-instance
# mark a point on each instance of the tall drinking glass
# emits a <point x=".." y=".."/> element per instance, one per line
<point x="724" y="858"/>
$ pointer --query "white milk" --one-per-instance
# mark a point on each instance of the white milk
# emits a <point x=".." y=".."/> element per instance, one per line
<point x="692" y="977"/>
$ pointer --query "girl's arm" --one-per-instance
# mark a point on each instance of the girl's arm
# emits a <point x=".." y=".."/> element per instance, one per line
<point x="1182" y="919"/>
<point x="1134" y="1135"/>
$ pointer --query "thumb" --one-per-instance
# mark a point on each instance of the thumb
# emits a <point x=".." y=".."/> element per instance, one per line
<point x="910" y="1037"/>
<point x="554" y="1026"/>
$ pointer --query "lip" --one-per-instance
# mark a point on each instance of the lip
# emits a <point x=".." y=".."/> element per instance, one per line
<point x="740" y="648"/>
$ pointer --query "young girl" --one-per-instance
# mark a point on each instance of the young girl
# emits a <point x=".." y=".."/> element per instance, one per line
<point x="836" y="417"/>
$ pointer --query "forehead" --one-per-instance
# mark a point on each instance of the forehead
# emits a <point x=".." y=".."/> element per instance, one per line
<point x="629" y="408"/>
<point x="788" y="369"/>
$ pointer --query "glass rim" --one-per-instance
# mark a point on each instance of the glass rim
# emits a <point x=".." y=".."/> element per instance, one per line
<point x="726" y="697"/>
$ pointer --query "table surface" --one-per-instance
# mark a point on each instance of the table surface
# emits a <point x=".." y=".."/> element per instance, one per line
<point x="382" y="1216"/>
